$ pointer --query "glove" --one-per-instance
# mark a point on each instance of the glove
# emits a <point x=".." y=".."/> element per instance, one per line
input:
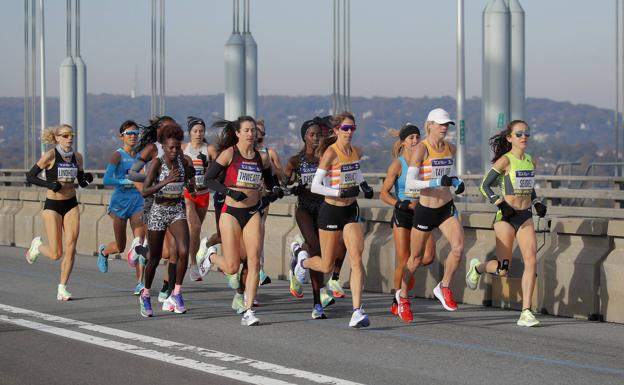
<point x="236" y="195"/>
<point x="276" y="193"/>
<point x="84" y="179"/>
<point x="540" y="208"/>
<point x="56" y="186"/>
<point x="350" y="192"/>
<point x="506" y="210"/>
<point x="367" y="190"/>
<point x="298" y="189"/>
<point x="203" y="158"/>
<point x="444" y="181"/>
<point x="403" y="206"/>
<point x="458" y="184"/>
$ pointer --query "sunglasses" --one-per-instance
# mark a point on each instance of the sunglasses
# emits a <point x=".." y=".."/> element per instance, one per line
<point x="66" y="136"/>
<point x="131" y="132"/>
<point x="520" y="134"/>
<point x="347" y="127"/>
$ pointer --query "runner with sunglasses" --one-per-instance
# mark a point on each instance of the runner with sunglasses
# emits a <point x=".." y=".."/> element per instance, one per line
<point x="62" y="165"/>
<point x="126" y="202"/>
<point x="202" y="154"/>
<point x="338" y="178"/>
<point x="432" y="171"/>
<point x="404" y="202"/>
<point x="513" y="171"/>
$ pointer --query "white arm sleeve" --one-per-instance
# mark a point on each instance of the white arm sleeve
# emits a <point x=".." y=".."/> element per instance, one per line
<point x="412" y="182"/>
<point x="319" y="188"/>
<point x="359" y="177"/>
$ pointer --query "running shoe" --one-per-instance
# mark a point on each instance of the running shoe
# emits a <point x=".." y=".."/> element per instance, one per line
<point x="33" y="252"/>
<point x="295" y="286"/>
<point x="527" y="319"/>
<point x="62" y="294"/>
<point x="146" y="306"/>
<point x="163" y="295"/>
<point x="249" y="318"/>
<point x="334" y="286"/>
<point x="194" y="273"/>
<point x="297" y="256"/>
<point x="318" y="312"/>
<point x="142" y="259"/>
<point x="394" y="308"/>
<point x="359" y="319"/>
<point x="141" y="251"/>
<point x="178" y="303"/>
<point x="472" y="276"/>
<point x="326" y="298"/>
<point x="203" y="249"/>
<point x="203" y="261"/>
<point x="299" y="239"/>
<point x="137" y="289"/>
<point x="169" y="304"/>
<point x="232" y="280"/>
<point x="238" y="303"/>
<point x="445" y="295"/>
<point x="132" y="255"/>
<point x="264" y="278"/>
<point x="405" y="310"/>
<point x="102" y="261"/>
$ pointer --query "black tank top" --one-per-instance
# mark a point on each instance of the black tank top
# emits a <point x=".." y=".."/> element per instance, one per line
<point x="62" y="170"/>
<point x="305" y="173"/>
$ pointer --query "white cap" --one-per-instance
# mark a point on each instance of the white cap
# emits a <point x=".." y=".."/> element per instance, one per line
<point x="439" y="116"/>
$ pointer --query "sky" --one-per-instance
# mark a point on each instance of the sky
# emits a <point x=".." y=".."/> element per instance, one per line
<point x="398" y="47"/>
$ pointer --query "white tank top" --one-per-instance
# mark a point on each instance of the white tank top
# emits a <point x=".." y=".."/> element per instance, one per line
<point x="198" y="165"/>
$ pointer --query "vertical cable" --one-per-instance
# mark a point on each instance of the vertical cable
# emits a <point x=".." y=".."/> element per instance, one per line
<point x="26" y="83"/>
<point x="33" y="84"/>
<point x="153" y="100"/>
<point x="162" y="57"/>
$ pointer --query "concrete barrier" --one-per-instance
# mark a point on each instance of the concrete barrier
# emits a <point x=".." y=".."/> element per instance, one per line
<point x="25" y="217"/>
<point x="10" y="205"/>
<point x="611" y="274"/>
<point x="569" y="271"/>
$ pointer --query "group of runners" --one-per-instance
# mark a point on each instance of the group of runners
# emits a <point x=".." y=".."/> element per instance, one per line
<point x="162" y="186"/>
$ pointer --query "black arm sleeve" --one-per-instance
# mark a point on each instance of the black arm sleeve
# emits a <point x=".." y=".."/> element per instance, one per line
<point x="533" y="196"/>
<point x="32" y="178"/>
<point x="486" y="186"/>
<point x="269" y="180"/>
<point x="211" y="181"/>
<point x="134" y="174"/>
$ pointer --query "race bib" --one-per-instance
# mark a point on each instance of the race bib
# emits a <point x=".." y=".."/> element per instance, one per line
<point x="411" y="193"/>
<point x="525" y="180"/>
<point x="66" y="172"/>
<point x="347" y="175"/>
<point x="172" y="190"/>
<point x="307" y="174"/>
<point x="249" y="175"/>
<point x="441" y="167"/>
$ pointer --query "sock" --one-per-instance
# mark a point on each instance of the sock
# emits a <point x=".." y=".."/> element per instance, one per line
<point x="165" y="286"/>
<point x="335" y="276"/>
<point x="177" y="289"/>
<point x="171" y="267"/>
<point x="317" y="296"/>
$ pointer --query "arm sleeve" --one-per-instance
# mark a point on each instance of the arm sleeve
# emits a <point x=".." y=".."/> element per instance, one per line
<point x="319" y="188"/>
<point x="533" y="195"/>
<point x="269" y="179"/>
<point x="134" y="174"/>
<point x="486" y="186"/>
<point x="359" y="177"/>
<point x="210" y="179"/>
<point x="109" y="178"/>
<point x="32" y="177"/>
<point x="412" y="182"/>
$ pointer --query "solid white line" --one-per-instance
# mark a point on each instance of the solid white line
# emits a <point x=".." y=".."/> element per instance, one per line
<point x="147" y="353"/>
<point x="203" y="352"/>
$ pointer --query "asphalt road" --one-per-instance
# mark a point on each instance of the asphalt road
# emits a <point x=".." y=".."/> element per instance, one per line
<point x="100" y="338"/>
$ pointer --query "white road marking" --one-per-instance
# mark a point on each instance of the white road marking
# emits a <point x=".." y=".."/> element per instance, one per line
<point x="165" y="357"/>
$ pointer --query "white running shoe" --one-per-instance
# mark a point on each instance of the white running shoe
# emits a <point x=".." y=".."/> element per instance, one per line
<point x="203" y="249"/>
<point x="359" y="319"/>
<point x="62" y="294"/>
<point x="132" y="255"/>
<point x="33" y="252"/>
<point x="203" y="261"/>
<point x="249" y="318"/>
<point x="169" y="304"/>
<point x="194" y="273"/>
<point x="297" y="256"/>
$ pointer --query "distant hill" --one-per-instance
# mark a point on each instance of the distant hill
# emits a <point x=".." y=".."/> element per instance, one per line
<point x="562" y="131"/>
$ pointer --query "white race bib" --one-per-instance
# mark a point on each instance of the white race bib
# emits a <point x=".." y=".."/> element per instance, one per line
<point x="307" y="174"/>
<point x="66" y="172"/>
<point x="525" y="180"/>
<point x="172" y="190"/>
<point x="348" y="173"/>
<point x="249" y="176"/>
<point x="441" y="167"/>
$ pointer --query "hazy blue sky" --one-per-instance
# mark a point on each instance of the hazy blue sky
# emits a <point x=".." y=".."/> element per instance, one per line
<point x="399" y="47"/>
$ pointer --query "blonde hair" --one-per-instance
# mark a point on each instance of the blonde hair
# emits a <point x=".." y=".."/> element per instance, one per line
<point x="397" y="147"/>
<point x="48" y="135"/>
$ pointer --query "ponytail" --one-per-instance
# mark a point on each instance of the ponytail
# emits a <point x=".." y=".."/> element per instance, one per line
<point x="499" y="143"/>
<point x="48" y="135"/>
<point x="227" y="138"/>
<point x="330" y="139"/>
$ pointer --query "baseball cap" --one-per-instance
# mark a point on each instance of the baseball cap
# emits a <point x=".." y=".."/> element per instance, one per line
<point x="439" y="116"/>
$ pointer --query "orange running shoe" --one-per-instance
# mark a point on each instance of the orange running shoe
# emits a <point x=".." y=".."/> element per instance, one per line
<point x="394" y="309"/>
<point x="405" y="310"/>
<point x="445" y="295"/>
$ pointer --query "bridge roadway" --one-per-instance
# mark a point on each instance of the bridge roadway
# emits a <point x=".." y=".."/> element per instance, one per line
<point x="100" y="338"/>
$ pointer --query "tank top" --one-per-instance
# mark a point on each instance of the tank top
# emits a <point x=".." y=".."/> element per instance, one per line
<point x="198" y="164"/>
<point x="399" y="184"/>
<point x="62" y="170"/>
<point x="342" y="172"/>
<point x="172" y="190"/>
<point x="305" y="172"/>
<point x="520" y="180"/>
<point x="121" y="171"/>
<point x="244" y="173"/>
<point x="437" y="164"/>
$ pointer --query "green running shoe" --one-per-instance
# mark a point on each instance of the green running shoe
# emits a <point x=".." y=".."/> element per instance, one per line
<point x="62" y="294"/>
<point x="527" y="319"/>
<point x="232" y="281"/>
<point x="318" y="312"/>
<point x="326" y="298"/>
<point x="335" y="287"/>
<point x="238" y="303"/>
<point x="472" y="277"/>
<point x="33" y="252"/>
<point x="296" y="289"/>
